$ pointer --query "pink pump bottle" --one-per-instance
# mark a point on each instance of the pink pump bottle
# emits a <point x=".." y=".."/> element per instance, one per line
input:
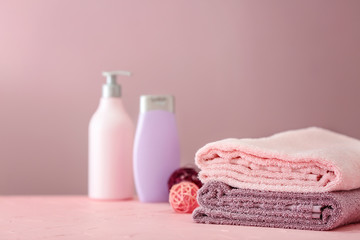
<point x="111" y="136"/>
<point x="156" y="148"/>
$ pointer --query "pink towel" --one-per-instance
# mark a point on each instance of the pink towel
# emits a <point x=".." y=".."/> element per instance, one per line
<point x="305" y="160"/>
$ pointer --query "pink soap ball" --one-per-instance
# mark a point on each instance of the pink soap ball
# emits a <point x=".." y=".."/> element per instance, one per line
<point x="183" y="196"/>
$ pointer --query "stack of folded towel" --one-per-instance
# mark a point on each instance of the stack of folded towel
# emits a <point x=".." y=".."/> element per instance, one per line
<point x="301" y="179"/>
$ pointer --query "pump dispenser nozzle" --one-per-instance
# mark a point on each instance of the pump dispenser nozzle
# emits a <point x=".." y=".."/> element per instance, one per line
<point x="111" y="88"/>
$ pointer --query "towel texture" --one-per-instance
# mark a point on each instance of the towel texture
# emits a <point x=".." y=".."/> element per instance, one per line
<point x="222" y="204"/>
<point x="305" y="160"/>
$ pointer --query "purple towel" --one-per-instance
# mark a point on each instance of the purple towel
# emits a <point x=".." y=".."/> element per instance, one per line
<point x="222" y="204"/>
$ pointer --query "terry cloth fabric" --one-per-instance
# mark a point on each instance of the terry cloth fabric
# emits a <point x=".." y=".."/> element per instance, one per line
<point x="305" y="160"/>
<point x="222" y="204"/>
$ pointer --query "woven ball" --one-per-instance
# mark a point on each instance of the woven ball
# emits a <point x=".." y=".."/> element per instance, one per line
<point x="184" y="174"/>
<point x="182" y="197"/>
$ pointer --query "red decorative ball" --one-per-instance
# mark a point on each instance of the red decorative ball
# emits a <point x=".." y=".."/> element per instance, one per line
<point x="184" y="174"/>
<point x="182" y="197"/>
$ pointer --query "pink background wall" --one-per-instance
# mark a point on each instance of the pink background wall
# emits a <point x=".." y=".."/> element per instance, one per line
<point x="237" y="69"/>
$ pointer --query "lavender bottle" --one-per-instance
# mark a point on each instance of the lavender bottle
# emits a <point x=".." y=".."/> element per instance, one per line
<point x="156" y="148"/>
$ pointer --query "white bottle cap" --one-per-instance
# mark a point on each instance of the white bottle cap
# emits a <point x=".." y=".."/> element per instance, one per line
<point x="157" y="102"/>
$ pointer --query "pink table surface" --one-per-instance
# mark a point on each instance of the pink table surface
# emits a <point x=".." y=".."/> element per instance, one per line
<point x="77" y="217"/>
